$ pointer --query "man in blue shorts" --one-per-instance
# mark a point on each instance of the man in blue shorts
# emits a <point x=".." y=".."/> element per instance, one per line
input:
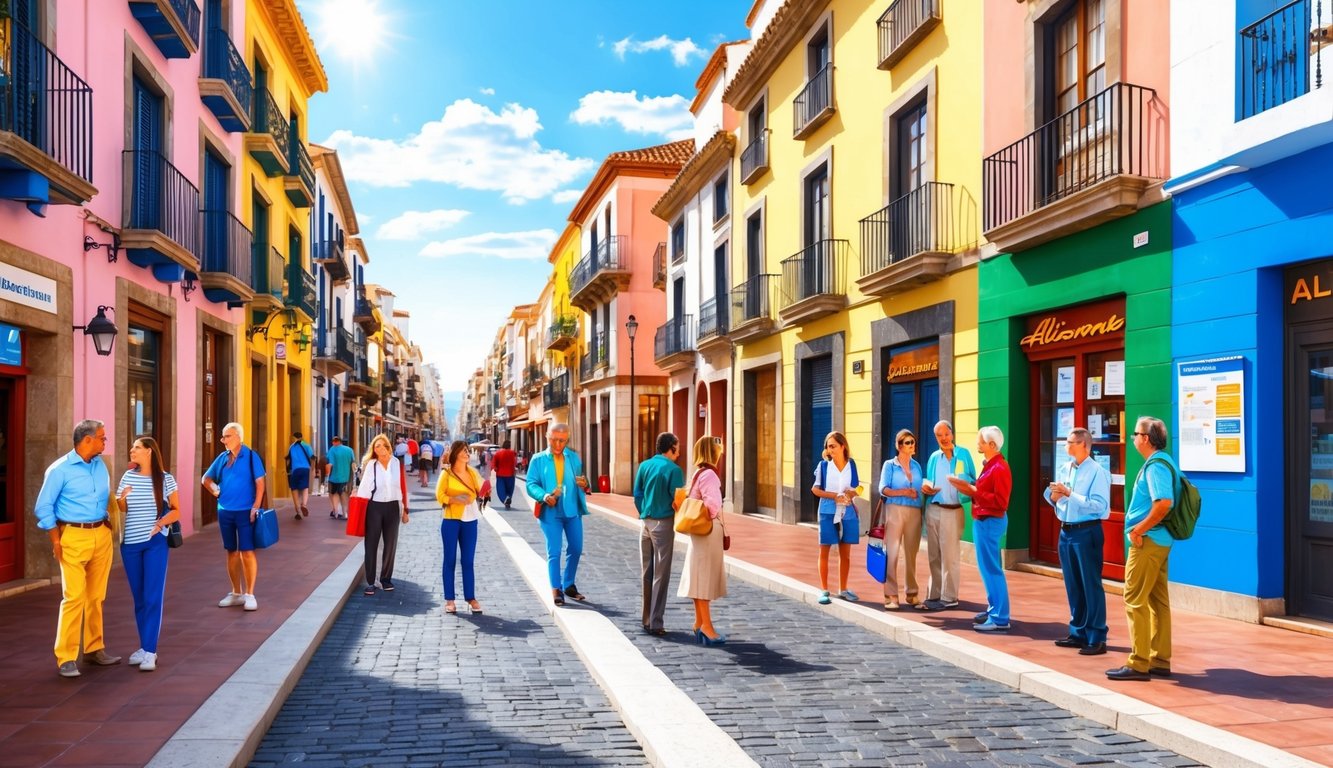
<point x="299" y="458"/>
<point x="236" y="478"/>
<point x="338" y="469"/>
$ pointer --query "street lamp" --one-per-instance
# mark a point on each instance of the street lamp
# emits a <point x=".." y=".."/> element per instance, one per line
<point x="631" y="328"/>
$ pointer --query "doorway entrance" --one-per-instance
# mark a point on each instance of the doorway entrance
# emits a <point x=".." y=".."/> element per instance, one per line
<point x="12" y="402"/>
<point x="1310" y="515"/>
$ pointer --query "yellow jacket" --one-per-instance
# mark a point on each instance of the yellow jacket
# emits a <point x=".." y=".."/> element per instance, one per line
<point x="450" y="486"/>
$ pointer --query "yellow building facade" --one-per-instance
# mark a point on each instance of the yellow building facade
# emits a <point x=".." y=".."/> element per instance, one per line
<point x="564" y="336"/>
<point x="277" y="189"/>
<point x="856" y="191"/>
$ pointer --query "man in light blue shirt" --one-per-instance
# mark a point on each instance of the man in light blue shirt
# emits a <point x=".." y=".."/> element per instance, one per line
<point x="1081" y="495"/>
<point x="74" y="507"/>
<point x="944" y="517"/>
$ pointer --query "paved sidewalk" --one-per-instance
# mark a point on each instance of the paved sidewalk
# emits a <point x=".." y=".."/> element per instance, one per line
<point x="1271" y="685"/>
<point x="114" y="716"/>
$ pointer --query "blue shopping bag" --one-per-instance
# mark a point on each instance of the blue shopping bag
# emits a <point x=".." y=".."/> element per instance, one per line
<point x="266" y="528"/>
<point x="877" y="561"/>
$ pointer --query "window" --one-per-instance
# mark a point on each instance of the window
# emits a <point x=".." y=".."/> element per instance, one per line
<point x="1080" y="54"/>
<point x="721" y="205"/>
<point x="678" y="241"/>
<point x="757" y="121"/>
<point x="754" y="245"/>
<point x="909" y="154"/>
<point x="817" y="53"/>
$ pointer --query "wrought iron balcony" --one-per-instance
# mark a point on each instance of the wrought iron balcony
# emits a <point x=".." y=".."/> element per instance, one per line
<point x="300" y="181"/>
<point x="673" y="344"/>
<point x="555" y="393"/>
<point x="363" y="383"/>
<point x="364" y="315"/>
<point x="563" y="333"/>
<point x="224" y="85"/>
<point x="754" y="158"/>
<point x="269" y="271"/>
<point x="226" y="263"/>
<point x="269" y="140"/>
<point x="162" y="231"/>
<point x="46" y="124"/>
<point x="301" y="289"/>
<point x="330" y="255"/>
<point x="390" y="378"/>
<point x="713" y="325"/>
<point x="1282" y="56"/>
<point x="909" y="241"/>
<point x="334" y="352"/>
<point x="814" y="104"/>
<point x="1084" y="168"/>
<point x="172" y="24"/>
<point x="903" y="25"/>
<point x="601" y="273"/>
<point x="752" y="304"/>
<point x="660" y="266"/>
<point x="814" y="282"/>
<point x="596" y="359"/>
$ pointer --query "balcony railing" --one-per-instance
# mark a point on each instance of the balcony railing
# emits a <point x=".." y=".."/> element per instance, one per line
<point x="222" y="62"/>
<point x="713" y="318"/>
<point x="1119" y="131"/>
<point x="344" y="347"/>
<point x="44" y="103"/>
<point x="753" y="299"/>
<point x="268" y="119"/>
<point x="270" y="270"/>
<point x="555" y="393"/>
<point x="902" y="25"/>
<point x="300" y="183"/>
<point x="596" y="358"/>
<point x="176" y="38"/>
<point x="918" y="222"/>
<point x="562" y="331"/>
<point x="813" y="102"/>
<point x="161" y="198"/>
<point x="1281" y="56"/>
<point x="330" y="255"/>
<point x="820" y="269"/>
<point x="674" y="336"/>
<point x="608" y="255"/>
<point x="754" y="158"/>
<point x="226" y="256"/>
<point x="301" y="289"/>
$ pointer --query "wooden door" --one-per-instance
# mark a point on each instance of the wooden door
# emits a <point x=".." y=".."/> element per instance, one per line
<point x="766" y="440"/>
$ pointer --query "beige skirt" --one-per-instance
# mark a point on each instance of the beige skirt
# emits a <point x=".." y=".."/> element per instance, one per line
<point x="704" y="577"/>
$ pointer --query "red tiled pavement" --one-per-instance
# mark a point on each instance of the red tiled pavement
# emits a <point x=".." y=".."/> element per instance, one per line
<point x="1271" y="685"/>
<point x="114" y="716"/>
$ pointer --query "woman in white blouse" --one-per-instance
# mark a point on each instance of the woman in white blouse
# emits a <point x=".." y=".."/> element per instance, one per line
<point x="705" y="578"/>
<point x="384" y="483"/>
<point x="148" y="500"/>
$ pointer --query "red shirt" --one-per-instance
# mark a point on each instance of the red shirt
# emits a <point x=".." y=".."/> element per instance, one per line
<point x="412" y="448"/>
<point x="993" y="487"/>
<point x="503" y="462"/>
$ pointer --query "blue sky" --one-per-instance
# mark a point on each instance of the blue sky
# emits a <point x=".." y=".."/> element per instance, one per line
<point x="468" y="129"/>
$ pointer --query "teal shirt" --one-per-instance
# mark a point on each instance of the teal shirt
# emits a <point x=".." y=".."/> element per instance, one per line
<point x="340" y="458"/>
<point x="1153" y="483"/>
<point x="655" y="485"/>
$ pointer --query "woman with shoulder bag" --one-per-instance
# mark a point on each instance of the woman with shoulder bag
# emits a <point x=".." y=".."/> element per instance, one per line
<point x="384" y="484"/>
<point x="704" y="578"/>
<point x="144" y="490"/>
<point x="459" y="485"/>
<point x="900" y="485"/>
<point x="837" y="484"/>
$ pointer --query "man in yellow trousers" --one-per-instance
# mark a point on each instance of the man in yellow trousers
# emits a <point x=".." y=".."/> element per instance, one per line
<point x="74" y="506"/>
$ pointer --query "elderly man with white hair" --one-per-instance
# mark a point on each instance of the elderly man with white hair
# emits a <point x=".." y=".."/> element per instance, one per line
<point x="990" y="507"/>
<point x="236" y="478"/>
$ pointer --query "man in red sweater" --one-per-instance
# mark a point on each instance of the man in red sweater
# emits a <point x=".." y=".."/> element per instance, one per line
<point x="503" y="464"/>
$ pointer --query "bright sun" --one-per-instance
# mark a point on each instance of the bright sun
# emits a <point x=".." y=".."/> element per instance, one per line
<point x="352" y="30"/>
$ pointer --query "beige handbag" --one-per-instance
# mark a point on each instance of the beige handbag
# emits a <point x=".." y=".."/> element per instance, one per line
<point x="692" y="516"/>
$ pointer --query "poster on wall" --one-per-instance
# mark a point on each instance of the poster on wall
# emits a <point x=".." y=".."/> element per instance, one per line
<point x="1212" y="414"/>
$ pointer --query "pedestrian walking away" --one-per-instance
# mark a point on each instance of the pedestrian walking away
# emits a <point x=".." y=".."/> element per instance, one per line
<point x="504" y="464"/>
<point x="655" y="484"/>
<point x="837" y="484"/>
<point x="990" y="520"/>
<point x="945" y="507"/>
<point x="384" y="486"/>
<point x="1147" y="599"/>
<point x="704" y="578"/>
<point x="557" y="482"/>
<point x="458" y="487"/>
<point x="148" y="500"/>
<point x="425" y="463"/>
<point x="74" y="506"/>
<point x="236" y="479"/>
<point x="300" y="459"/>
<point x="1081" y="496"/>
<point x="900" y="484"/>
<point x="338" y="470"/>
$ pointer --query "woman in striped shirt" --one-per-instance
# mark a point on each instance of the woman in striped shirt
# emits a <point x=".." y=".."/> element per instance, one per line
<point x="144" y="490"/>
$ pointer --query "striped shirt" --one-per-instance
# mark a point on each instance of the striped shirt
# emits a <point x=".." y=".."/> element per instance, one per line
<point x="140" y="511"/>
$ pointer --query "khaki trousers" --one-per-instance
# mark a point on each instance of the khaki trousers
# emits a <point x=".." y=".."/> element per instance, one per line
<point x="1148" y="606"/>
<point x="944" y="534"/>
<point x="902" y="535"/>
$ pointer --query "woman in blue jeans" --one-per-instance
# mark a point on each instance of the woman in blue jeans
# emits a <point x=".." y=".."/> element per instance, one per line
<point x="458" y="487"/>
<point x="144" y="490"/>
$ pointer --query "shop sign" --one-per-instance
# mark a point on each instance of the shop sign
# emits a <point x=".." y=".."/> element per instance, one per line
<point x="1074" y="326"/>
<point x="280" y="350"/>
<point x="1212" y="414"/>
<point x="914" y="365"/>
<point x="1307" y="287"/>
<point x="29" y="289"/>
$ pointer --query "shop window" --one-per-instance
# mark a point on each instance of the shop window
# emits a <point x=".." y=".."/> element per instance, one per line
<point x="649" y="426"/>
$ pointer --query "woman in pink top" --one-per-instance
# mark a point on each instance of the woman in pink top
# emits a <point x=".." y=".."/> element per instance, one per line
<point x="705" y="578"/>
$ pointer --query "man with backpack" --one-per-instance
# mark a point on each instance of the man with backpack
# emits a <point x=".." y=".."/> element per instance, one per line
<point x="1147" y="602"/>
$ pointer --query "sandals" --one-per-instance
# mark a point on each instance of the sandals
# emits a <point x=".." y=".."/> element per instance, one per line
<point x="474" y="606"/>
<point x="559" y="597"/>
<point x="449" y="607"/>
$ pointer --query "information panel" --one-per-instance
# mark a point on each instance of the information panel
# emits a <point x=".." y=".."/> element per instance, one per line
<point x="1212" y="414"/>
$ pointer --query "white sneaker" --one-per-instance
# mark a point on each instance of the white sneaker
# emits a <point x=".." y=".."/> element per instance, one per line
<point x="136" y="658"/>
<point x="230" y="600"/>
<point x="149" y="662"/>
<point x="251" y="604"/>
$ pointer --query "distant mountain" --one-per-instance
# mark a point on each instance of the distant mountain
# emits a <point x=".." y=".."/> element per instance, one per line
<point x="453" y="401"/>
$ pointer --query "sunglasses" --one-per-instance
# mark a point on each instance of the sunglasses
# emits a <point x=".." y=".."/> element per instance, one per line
<point x="1140" y="434"/>
<point x="908" y="442"/>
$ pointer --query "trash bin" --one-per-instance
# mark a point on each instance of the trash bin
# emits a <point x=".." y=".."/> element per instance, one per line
<point x="603" y="484"/>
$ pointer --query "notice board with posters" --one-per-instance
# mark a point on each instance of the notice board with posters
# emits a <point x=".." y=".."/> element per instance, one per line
<point x="1212" y="414"/>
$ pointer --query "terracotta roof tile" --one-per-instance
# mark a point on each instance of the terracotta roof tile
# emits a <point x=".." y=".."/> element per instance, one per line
<point x="676" y="153"/>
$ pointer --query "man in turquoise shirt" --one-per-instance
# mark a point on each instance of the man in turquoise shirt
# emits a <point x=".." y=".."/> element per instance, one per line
<point x="944" y="518"/>
<point x="338" y="469"/>
<point x="1147" y="602"/>
<point x="556" y="480"/>
<point x="655" y="485"/>
<point x="74" y="507"/>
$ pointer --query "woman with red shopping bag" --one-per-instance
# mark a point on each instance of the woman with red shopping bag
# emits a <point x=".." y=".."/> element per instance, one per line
<point x="384" y="489"/>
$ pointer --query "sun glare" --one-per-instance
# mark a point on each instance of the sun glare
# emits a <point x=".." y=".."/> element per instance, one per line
<point x="355" y="31"/>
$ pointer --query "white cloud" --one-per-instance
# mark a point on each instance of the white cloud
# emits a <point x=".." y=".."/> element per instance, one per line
<point x="533" y="244"/>
<point x="681" y="50"/>
<point x="567" y="196"/>
<point x="411" y="225"/>
<point x="666" y="115"/>
<point x="471" y="147"/>
<point x="488" y="91"/>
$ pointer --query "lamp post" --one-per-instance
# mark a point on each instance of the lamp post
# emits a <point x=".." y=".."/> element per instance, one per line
<point x="631" y="328"/>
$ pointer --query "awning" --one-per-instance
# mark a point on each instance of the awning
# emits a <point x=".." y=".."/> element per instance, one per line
<point x="521" y="423"/>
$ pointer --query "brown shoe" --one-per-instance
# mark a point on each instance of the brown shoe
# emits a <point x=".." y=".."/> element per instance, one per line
<point x="101" y="658"/>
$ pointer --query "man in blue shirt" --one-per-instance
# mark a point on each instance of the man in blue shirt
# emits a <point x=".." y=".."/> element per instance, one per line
<point x="556" y="480"/>
<point x="1147" y="602"/>
<point x="300" y="456"/>
<point x="1081" y="495"/>
<point x="655" y="485"/>
<point x="236" y="478"/>
<point x="75" y="506"/>
<point x="338" y="469"/>
<point x="944" y="517"/>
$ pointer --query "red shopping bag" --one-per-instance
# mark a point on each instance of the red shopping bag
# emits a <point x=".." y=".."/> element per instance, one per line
<point x="356" y="515"/>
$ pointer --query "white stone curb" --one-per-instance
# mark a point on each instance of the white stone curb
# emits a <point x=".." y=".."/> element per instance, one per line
<point x="673" y="731"/>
